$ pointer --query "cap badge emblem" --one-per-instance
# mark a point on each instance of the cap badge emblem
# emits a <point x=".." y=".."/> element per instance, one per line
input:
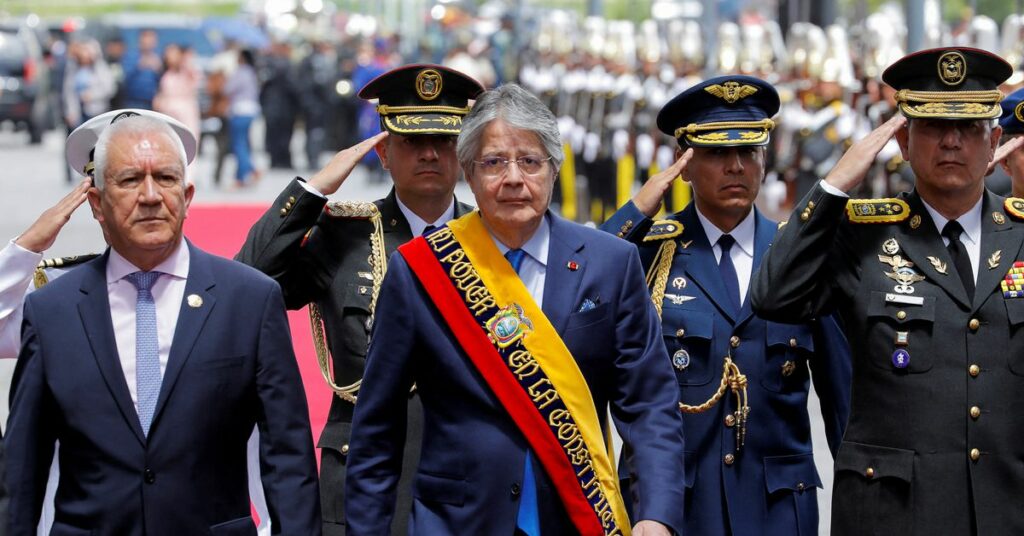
<point x="952" y="68"/>
<point x="1018" y="112"/>
<point x="428" y="84"/>
<point x="731" y="91"/>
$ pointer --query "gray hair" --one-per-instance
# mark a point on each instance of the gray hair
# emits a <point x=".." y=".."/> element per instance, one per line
<point x="138" y="124"/>
<point x="517" y="107"/>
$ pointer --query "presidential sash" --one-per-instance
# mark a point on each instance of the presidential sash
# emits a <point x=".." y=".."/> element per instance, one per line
<point x="526" y="365"/>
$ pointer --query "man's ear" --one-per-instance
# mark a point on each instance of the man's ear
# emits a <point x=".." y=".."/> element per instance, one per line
<point x="382" y="151"/>
<point x="95" y="201"/>
<point x="903" y="138"/>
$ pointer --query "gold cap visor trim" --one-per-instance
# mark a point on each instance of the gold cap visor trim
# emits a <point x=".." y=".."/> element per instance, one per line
<point x="423" y="124"/>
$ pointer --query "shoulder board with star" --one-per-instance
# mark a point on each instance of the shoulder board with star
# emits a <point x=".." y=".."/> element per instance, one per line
<point x="40" y="278"/>
<point x="664" y="229"/>
<point x="351" y="209"/>
<point x="886" y="210"/>
<point x="1014" y="206"/>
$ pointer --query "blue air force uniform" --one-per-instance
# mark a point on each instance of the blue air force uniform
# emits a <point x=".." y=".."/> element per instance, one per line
<point x="757" y="477"/>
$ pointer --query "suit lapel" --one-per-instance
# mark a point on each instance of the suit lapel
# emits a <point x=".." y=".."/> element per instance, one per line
<point x="561" y="284"/>
<point x="919" y="244"/>
<point x="191" y="319"/>
<point x="699" y="259"/>
<point x="94" y="309"/>
<point x="1003" y="238"/>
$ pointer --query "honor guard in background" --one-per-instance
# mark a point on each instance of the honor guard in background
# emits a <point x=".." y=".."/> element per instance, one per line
<point x="749" y="461"/>
<point x="332" y="255"/>
<point x="1010" y="154"/>
<point x="927" y="288"/>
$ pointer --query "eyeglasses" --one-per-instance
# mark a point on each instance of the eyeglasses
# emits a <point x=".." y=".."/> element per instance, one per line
<point x="496" y="166"/>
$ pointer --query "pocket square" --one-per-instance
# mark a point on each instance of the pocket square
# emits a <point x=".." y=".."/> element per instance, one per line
<point x="587" y="305"/>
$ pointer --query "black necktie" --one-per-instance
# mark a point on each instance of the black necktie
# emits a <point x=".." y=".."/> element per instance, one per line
<point x="427" y="229"/>
<point x="957" y="252"/>
<point x="728" y="270"/>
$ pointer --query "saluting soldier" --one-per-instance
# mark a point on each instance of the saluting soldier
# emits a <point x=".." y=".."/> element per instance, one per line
<point x="332" y="256"/>
<point x="1010" y="155"/>
<point x="928" y="289"/>
<point x="749" y="461"/>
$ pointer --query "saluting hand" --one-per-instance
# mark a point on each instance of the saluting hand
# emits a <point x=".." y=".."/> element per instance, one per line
<point x="1003" y="151"/>
<point x="648" y="199"/>
<point x="329" y="179"/>
<point x="43" y="233"/>
<point x="854" y="165"/>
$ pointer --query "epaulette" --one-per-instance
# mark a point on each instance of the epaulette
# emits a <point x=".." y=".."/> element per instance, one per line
<point x="39" y="278"/>
<point x="1014" y="207"/>
<point x="663" y="229"/>
<point x="886" y="210"/>
<point x="351" y="209"/>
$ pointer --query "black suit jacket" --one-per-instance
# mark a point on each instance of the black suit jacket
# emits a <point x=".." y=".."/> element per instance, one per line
<point x="322" y="259"/>
<point x="908" y="463"/>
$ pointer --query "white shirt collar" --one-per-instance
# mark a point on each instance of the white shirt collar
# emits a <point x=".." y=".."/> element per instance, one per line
<point x="175" y="265"/>
<point x="970" y="221"/>
<point x="743" y="233"/>
<point x="417" y="224"/>
<point x="536" y="247"/>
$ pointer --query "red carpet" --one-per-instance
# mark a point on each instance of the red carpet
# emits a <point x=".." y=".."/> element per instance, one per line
<point x="221" y="230"/>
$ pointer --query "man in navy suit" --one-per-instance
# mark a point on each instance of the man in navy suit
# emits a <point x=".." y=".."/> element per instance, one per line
<point x="152" y="363"/>
<point x="749" y="461"/>
<point x="515" y="373"/>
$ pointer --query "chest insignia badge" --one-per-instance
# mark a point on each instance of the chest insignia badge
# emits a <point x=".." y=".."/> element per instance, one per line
<point x="937" y="264"/>
<point x="993" y="260"/>
<point x="902" y="272"/>
<point x="891" y="247"/>
<point x="681" y="360"/>
<point x="679" y="283"/>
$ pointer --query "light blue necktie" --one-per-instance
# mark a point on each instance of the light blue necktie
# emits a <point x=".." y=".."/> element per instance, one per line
<point x="147" y="347"/>
<point x="528" y="520"/>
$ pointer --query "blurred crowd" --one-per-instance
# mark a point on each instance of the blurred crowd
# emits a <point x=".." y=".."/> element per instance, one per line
<point x="604" y="79"/>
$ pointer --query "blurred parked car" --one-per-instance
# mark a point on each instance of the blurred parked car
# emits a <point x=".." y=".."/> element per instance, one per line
<point x="24" y="80"/>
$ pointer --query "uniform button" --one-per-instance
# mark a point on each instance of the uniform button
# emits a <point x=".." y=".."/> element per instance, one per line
<point x="288" y="205"/>
<point x="515" y="490"/>
<point x="680" y="332"/>
<point x="810" y="205"/>
<point x="734" y="341"/>
<point x="729" y="458"/>
<point x="149" y="476"/>
<point x="869" y="472"/>
<point x="805" y="215"/>
<point x="291" y="198"/>
<point x="792" y="343"/>
<point x="975" y="412"/>
<point x="800" y="486"/>
<point x="730" y="420"/>
<point x="344" y="449"/>
<point x="284" y="212"/>
<point x="974" y="370"/>
<point x="974" y="324"/>
<point x="902" y="315"/>
<point x="975" y="454"/>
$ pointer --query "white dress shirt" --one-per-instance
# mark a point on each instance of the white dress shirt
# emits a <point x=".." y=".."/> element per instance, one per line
<point x="17" y="265"/>
<point x="533" y="270"/>
<point x="417" y="224"/>
<point x="971" y="237"/>
<point x="168" y="292"/>
<point x="742" y="253"/>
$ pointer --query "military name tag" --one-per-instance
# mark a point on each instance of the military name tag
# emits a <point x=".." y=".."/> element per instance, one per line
<point x="904" y="299"/>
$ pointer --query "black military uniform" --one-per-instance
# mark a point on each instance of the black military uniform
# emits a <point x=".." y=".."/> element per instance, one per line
<point x="332" y="255"/>
<point x="932" y="445"/>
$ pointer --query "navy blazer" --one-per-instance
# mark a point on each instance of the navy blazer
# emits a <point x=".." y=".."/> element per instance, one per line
<point x="231" y="366"/>
<point x="767" y="487"/>
<point x="471" y="467"/>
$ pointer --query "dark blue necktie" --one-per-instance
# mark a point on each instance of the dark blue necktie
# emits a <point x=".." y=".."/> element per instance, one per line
<point x="427" y="229"/>
<point x="528" y="520"/>
<point x="728" y="271"/>
<point x="147" y="347"/>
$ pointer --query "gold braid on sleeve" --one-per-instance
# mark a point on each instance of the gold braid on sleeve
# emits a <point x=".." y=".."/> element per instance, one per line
<point x="378" y="266"/>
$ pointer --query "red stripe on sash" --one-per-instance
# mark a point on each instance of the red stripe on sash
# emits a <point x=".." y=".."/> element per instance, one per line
<point x="489" y="363"/>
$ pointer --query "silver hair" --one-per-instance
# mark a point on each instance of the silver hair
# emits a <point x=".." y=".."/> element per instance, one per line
<point x="517" y="107"/>
<point x="138" y="124"/>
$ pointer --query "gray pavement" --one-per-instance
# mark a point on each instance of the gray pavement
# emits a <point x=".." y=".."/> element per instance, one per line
<point x="33" y="178"/>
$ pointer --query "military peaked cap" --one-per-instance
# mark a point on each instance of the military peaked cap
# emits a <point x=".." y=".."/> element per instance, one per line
<point x="422" y="99"/>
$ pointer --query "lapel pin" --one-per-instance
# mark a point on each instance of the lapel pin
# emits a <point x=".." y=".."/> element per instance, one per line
<point x="685" y="244"/>
<point x="915" y="222"/>
<point x="679" y="282"/>
<point x="195" y="300"/>
<point x="993" y="261"/>
<point x="572" y="266"/>
<point x="998" y="218"/>
<point x="937" y="264"/>
<point x="891" y="247"/>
